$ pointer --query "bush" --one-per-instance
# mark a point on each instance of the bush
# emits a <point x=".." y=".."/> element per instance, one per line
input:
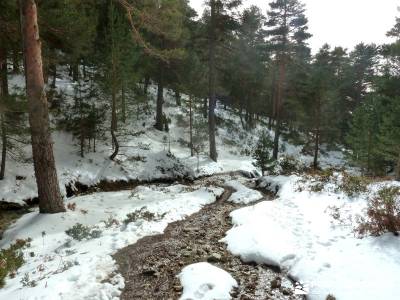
<point x="141" y="214"/>
<point x="262" y="152"/>
<point x="11" y="259"/>
<point x="80" y="232"/>
<point x="353" y="185"/>
<point x="383" y="214"/>
<point x="289" y="165"/>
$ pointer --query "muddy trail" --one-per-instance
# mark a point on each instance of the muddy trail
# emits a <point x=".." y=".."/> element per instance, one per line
<point x="150" y="266"/>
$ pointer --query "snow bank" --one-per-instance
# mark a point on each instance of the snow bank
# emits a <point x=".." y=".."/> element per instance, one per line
<point x="206" y="282"/>
<point x="243" y="194"/>
<point x="58" y="267"/>
<point x="297" y="233"/>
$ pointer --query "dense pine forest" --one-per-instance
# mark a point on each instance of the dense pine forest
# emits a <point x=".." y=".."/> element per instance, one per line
<point x="151" y="151"/>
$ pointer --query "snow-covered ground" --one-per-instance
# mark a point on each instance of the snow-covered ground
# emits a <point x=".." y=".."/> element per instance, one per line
<point x="295" y="232"/>
<point x="60" y="267"/>
<point x="203" y="281"/>
<point x="298" y="233"/>
<point x="143" y="149"/>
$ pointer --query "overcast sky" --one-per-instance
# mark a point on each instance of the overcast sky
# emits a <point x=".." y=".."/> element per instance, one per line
<point x="341" y="22"/>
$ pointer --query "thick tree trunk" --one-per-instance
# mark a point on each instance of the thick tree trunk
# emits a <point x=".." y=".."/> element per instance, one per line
<point x="160" y="100"/>
<point x="50" y="200"/>
<point x="212" y="83"/>
<point x="191" y="127"/>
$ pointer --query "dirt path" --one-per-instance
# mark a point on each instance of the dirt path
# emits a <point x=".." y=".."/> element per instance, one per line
<point x="150" y="266"/>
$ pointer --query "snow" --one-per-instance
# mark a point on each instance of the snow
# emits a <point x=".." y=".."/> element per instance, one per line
<point x="297" y="233"/>
<point x="63" y="268"/>
<point x="242" y="194"/>
<point x="206" y="282"/>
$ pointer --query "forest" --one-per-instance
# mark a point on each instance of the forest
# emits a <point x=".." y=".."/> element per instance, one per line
<point x="152" y="151"/>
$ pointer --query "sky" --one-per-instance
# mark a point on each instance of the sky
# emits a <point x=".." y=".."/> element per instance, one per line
<point x="341" y="22"/>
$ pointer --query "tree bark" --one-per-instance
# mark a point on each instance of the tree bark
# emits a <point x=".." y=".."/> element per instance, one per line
<point x="160" y="99"/>
<point x="54" y="75"/>
<point x="191" y="127"/>
<point x="178" y="98"/>
<point x="3" y="96"/>
<point x="212" y="83"/>
<point x="3" y="147"/>
<point x="50" y="200"/>
<point x="15" y="61"/>
<point x="317" y="133"/>
<point x="146" y="85"/>
<point x="278" y="108"/>
<point x="123" y="102"/>
<point x="114" y="124"/>
<point x="205" y="107"/>
<point x="398" y="168"/>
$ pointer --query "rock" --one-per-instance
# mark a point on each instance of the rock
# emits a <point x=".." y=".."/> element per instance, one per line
<point x="214" y="257"/>
<point x="276" y="283"/>
<point x="178" y="288"/>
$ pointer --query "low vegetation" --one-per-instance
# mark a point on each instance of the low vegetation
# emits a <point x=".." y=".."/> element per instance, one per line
<point x="80" y="232"/>
<point x="383" y="214"/>
<point x="11" y="259"/>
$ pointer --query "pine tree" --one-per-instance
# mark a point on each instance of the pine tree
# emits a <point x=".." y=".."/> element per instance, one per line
<point x="363" y="137"/>
<point x="220" y="21"/>
<point x="262" y="152"/>
<point x="389" y="134"/>
<point x="287" y="28"/>
<point x="50" y="199"/>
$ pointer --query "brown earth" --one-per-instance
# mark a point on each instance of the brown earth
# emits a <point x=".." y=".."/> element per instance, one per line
<point x="150" y="266"/>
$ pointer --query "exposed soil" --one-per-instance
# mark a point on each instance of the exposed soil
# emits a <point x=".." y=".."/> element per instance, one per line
<point x="150" y="266"/>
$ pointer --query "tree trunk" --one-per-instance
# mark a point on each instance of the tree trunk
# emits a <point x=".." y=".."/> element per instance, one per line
<point x="114" y="124"/>
<point x="50" y="200"/>
<point x="398" y="168"/>
<point x="178" y="98"/>
<point x="146" y="85"/>
<point x="54" y="77"/>
<point x="75" y="71"/>
<point x="3" y="147"/>
<point x="15" y="62"/>
<point x="205" y="108"/>
<point x="191" y="127"/>
<point x="3" y="96"/>
<point x="317" y="133"/>
<point x="160" y="99"/>
<point x="278" y="109"/>
<point x="211" y="84"/>
<point x="123" y="102"/>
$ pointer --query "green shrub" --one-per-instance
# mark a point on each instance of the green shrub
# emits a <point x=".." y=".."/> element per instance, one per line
<point x="262" y="152"/>
<point x="11" y="259"/>
<point x="80" y="232"/>
<point x="289" y="165"/>
<point x="383" y="214"/>
<point x="353" y="185"/>
<point x="141" y="214"/>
